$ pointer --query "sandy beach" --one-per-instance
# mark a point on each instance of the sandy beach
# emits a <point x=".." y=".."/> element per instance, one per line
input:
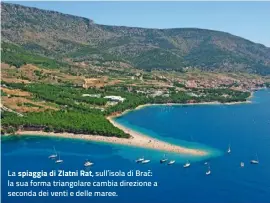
<point x="142" y="140"/>
<point x="137" y="139"/>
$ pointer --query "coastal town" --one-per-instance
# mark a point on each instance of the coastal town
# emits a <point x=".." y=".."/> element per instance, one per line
<point x="158" y="85"/>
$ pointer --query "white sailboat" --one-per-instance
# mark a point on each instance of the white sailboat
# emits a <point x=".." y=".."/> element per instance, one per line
<point x="139" y="160"/>
<point x="186" y="165"/>
<point x="255" y="161"/>
<point x="53" y="156"/>
<point x="171" y="162"/>
<point x="59" y="160"/>
<point x="88" y="163"/>
<point x="229" y="149"/>
<point x="164" y="159"/>
<point x="145" y="161"/>
<point x="208" y="172"/>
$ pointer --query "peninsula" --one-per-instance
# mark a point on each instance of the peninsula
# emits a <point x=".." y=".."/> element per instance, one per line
<point x="72" y="86"/>
<point x="136" y="140"/>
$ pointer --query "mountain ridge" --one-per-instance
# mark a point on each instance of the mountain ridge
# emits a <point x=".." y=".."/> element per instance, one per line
<point x="125" y="26"/>
<point x="60" y="36"/>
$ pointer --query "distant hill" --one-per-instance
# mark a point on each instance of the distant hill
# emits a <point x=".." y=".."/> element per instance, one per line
<point x="65" y="38"/>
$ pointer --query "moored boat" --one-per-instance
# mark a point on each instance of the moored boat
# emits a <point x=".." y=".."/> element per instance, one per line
<point x="208" y="172"/>
<point x="171" y="162"/>
<point x="145" y="161"/>
<point x="139" y="160"/>
<point x="88" y="163"/>
<point x="186" y="165"/>
<point x="59" y="160"/>
<point x="229" y="149"/>
<point x="255" y="161"/>
<point x="164" y="159"/>
<point x="53" y="156"/>
<point x="242" y="164"/>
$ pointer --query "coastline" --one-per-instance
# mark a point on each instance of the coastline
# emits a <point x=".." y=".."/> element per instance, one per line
<point x="137" y="139"/>
<point x="183" y="104"/>
<point x="193" y="104"/>
<point x="161" y="145"/>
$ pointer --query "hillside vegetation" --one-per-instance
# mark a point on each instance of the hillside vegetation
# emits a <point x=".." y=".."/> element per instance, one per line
<point x="63" y="39"/>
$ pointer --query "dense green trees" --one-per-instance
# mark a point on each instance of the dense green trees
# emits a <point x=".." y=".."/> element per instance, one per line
<point x="158" y="59"/>
<point x="221" y="95"/>
<point x="75" y="114"/>
<point x="17" y="56"/>
<point x="62" y="95"/>
<point x="60" y="121"/>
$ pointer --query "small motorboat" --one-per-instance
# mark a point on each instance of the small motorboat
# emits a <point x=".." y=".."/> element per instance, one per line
<point x="145" y="161"/>
<point x="208" y="172"/>
<point x="139" y="160"/>
<point x="242" y="164"/>
<point x="163" y="160"/>
<point x="53" y="156"/>
<point x="187" y="164"/>
<point x="229" y="149"/>
<point x="255" y="161"/>
<point x="88" y="163"/>
<point x="171" y="162"/>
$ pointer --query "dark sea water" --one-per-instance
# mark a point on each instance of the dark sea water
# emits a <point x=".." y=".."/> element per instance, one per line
<point x="246" y="127"/>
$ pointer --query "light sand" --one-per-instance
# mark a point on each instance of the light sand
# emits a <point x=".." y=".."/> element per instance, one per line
<point x="141" y="140"/>
<point x="137" y="140"/>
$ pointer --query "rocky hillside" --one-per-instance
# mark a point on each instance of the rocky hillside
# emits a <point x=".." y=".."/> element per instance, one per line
<point x="66" y="38"/>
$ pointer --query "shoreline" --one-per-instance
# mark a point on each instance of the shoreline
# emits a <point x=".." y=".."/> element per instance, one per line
<point x="182" y="104"/>
<point x="137" y="139"/>
<point x="183" y="150"/>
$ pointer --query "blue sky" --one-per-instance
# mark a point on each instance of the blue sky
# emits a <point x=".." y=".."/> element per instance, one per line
<point x="250" y="20"/>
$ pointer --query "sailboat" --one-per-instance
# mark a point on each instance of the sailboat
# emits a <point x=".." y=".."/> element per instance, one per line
<point x="59" y="160"/>
<point x="53" y="156"/>
<point x="171" y="162"/>
<point x="164" y="159"/>
<point x="145" y="161"/>
<point x="229" y="149"/>
<point x="242" y="164"/>
<point x="187" y="164"/>
<point x="88" y="163"/>
<point x="139" y="160"/>
<point x="208" y="172"/>
<point x="255" y="161"/>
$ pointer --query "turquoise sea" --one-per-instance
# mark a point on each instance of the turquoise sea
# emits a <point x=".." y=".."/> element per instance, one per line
<point x="245" y="127"/>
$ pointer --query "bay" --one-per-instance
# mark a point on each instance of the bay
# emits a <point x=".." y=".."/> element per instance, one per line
<point x="245" y="127"/>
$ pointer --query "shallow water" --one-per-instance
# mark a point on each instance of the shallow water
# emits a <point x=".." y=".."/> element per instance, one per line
<point x="246" y="127"/>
